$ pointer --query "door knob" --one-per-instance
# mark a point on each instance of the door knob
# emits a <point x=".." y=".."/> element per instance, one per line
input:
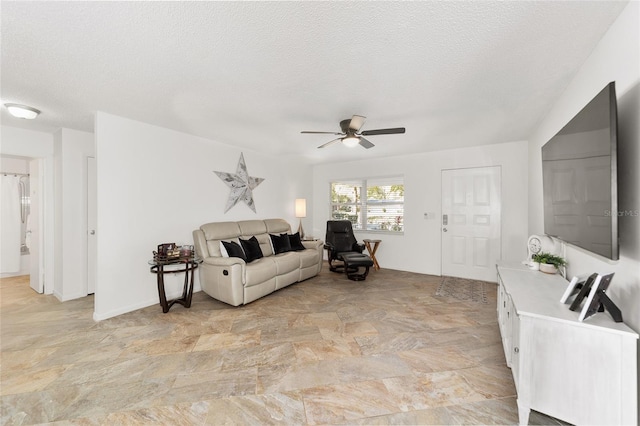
<point x="444" y="229"/>
<point x="92" y="232"/>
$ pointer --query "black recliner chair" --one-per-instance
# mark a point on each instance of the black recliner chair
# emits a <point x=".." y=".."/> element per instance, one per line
<point x="342" y="247"/>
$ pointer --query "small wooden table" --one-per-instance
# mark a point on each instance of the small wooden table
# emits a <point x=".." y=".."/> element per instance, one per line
<point x="372" y="251"/>
<point x="188" y="264"/>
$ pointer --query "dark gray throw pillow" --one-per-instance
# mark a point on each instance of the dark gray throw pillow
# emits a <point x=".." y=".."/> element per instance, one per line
<point x="251" y="249"/>
<point x="280" y="243"/>
<point x="234" y="249"/>
<point x="295" y="242"/>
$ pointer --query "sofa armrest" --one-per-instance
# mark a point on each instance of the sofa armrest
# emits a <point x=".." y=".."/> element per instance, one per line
<point x="200" y="244"/>
<point x="312" y="244"/>
<point x="223" y="278"/>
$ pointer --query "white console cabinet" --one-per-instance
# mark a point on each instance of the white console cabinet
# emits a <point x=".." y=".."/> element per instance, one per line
<point x="579" y="372"/>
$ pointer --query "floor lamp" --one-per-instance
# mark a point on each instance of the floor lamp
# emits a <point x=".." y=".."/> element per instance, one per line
<point x="301" y="211"/>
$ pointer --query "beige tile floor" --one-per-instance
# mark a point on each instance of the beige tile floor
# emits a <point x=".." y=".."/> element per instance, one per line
<point x="325" y="351"/>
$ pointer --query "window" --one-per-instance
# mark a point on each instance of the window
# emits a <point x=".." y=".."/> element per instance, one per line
<point x="370" y="204"/>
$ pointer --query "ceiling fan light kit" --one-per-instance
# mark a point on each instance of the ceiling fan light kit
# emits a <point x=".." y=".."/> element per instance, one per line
<point x="351" y="141"/>
<point x="351" y="135"/>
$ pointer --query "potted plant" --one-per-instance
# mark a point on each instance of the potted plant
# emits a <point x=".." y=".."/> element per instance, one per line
<point x="549" y="263"/>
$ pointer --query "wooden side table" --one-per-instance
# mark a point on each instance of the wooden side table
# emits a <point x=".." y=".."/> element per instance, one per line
<point x="372" y="251"/>
<point x="185" y="265"/>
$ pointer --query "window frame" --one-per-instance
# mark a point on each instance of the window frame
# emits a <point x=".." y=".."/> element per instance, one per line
<point x="361" y="206"/>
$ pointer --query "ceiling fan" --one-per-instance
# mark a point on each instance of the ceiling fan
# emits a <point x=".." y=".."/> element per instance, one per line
<point x="351" y="135"/>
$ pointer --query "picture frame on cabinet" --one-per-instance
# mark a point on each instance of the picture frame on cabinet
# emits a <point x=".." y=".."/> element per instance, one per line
<point x="574" y="286"/>
<point x="584" y="292"/>
<point x="598" y="300"/>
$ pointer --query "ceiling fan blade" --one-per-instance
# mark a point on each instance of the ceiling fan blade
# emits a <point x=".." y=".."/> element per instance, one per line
<point x="330" y="142"/>
<point x="320" y="133"/>
<point x="383" y="131"/>
<point x="357" y="122"/>
<point x="365" y="143"/>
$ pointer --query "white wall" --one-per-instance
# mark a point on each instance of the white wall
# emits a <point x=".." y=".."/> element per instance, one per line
<point x="615" y="58"/>
<point x="419" y="249"/>
<point x="33" y="144"/>
<point x="26" y="143"/>
<point x="14" y="164"/>
<point x="157" y="185"/>
<point x="71" y="147"/>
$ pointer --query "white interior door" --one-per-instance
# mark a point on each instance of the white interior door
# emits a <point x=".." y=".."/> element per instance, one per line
<point x="471" y="222"/>
<point x="35" y="226"/>
<point x="92" y="251"/>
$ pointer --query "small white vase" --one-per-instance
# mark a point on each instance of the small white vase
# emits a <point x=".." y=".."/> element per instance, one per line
<point x="534" y="266"/>
<point x="548" y="269"/>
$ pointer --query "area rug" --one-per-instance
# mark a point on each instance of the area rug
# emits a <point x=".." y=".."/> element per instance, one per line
<point x="462" y="289"/>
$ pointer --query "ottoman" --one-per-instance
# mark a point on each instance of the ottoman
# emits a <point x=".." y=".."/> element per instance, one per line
<point x="353" y="262"/>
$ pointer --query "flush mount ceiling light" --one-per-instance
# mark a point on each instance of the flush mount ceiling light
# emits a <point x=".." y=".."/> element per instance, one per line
<point x="22" y="111"/>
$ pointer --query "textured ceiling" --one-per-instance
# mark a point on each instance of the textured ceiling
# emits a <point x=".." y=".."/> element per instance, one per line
<point x="254" y="74"/>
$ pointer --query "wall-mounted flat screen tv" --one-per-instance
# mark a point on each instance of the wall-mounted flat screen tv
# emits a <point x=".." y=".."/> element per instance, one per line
<point x="579" y="173"/>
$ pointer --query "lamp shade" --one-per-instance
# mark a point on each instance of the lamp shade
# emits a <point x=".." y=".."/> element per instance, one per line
<point x="301" y="207"/>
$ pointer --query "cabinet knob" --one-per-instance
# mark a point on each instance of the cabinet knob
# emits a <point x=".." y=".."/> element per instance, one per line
<point x="516" y="349"/>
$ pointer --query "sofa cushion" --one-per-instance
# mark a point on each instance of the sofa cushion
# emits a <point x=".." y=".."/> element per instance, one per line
<point x="223" y="250"/>
<point x="220" y="230"/>
<point x="295" y="242"/>
<point x="286" y="262"/>
<point x="251" y="249"/>
<point x="265" y="244"/>
<point x="261" y="270"/>
<point x="277" y="226"/>
<point x="281" y="243"/>
<point x="234" y="250"/>
<point x="308" y="258"/>
<point x="252" y="227"/>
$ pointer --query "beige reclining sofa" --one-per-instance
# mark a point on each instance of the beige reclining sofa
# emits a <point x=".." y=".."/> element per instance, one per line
<point x="235" y="281"/>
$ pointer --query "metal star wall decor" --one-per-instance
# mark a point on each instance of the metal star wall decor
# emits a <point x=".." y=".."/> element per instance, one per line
<point x="241" y="184"/>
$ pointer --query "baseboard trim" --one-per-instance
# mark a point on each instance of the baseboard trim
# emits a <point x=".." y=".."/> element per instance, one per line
<point x="123" y="310"/>
<point x="134" y="307"/>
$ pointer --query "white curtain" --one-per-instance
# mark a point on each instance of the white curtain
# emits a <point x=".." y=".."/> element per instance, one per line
<point x="10" y="224"/>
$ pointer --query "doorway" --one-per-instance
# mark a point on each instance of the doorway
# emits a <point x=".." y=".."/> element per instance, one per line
<point x="471" y="222"/>
<point x="20" y="203"/>
<point x="35" y="217"/>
